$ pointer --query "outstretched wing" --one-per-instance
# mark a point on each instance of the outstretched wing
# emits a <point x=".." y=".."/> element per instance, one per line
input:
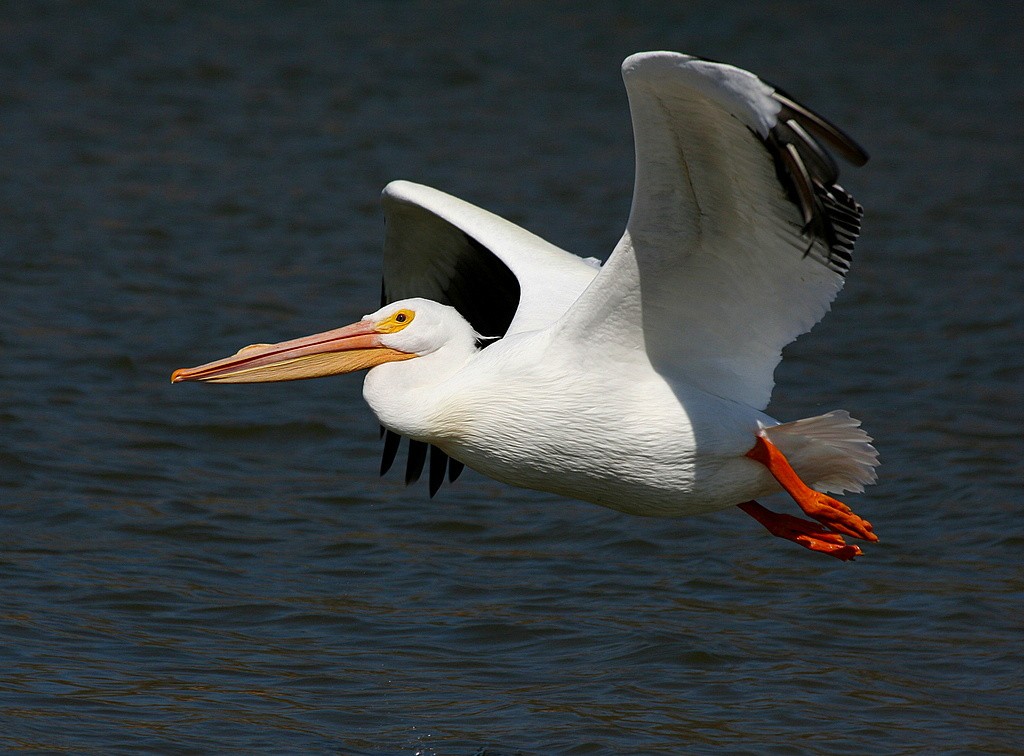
<point x="499" y="276"/>
<point x="738" y="236"/>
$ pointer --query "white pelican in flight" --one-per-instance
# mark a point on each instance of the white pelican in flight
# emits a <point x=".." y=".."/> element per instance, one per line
<point x="639" y="384"/>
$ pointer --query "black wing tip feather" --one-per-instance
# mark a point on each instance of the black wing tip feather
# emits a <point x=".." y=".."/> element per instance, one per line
<point x="414" y="462"/>
<point x="391" y="443"/>
<point x="441" y="465"/>
<point x="438" y="468"/>
<point x="808" y="173"/>
<point x="828" y="132"/>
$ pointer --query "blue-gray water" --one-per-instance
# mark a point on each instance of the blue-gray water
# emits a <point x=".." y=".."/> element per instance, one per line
<point x="190" y="569"/>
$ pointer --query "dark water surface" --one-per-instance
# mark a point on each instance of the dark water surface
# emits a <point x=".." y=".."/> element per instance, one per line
<point x="217" y="569"/>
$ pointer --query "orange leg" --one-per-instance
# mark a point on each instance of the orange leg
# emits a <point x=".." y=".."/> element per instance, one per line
<point x="808" y="534"/>
<point x="830" y="512"/>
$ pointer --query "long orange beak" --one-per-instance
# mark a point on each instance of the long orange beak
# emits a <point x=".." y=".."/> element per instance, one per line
<point x="343" y="350"/>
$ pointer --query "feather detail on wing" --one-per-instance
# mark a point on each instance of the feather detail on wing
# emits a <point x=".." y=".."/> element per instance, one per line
<point x="738" y="237"/>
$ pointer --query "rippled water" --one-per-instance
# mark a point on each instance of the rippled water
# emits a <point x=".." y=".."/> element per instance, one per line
<point x="214" y="569"/>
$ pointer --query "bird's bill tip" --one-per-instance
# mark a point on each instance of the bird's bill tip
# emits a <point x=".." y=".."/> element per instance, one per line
<point x="343" y="350"/>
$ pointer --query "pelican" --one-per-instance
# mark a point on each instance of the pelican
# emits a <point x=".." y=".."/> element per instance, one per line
<point x="639" y="384"/>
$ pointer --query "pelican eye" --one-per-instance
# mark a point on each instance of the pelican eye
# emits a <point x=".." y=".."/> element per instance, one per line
<point x="396" y="321"/>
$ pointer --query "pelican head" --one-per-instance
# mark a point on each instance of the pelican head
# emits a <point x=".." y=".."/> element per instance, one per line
<point x="399" y="331"/>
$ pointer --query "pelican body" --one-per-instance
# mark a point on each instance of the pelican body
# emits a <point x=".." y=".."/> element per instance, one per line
<point x="616" y="434"/>
<point x="640" y="384"/>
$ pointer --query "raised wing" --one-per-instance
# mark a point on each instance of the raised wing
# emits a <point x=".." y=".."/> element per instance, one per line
<point x="502" y="278"/>
<point x="738" y="236"/>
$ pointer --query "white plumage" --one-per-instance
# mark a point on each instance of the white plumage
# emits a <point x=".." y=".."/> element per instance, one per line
<point x="639" y="385"/>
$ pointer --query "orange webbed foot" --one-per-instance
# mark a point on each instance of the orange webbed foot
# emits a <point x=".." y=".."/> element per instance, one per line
<point x="835" y="515"/>
<point x="808" y="534"/>
<point x="828" y="511"/>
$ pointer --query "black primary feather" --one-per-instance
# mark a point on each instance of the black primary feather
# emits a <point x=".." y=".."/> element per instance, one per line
<point x="414" y="463"/>
<point x="391" y="442"/>
<point x="830" y="215"/>
<point x="438" y="467"/>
